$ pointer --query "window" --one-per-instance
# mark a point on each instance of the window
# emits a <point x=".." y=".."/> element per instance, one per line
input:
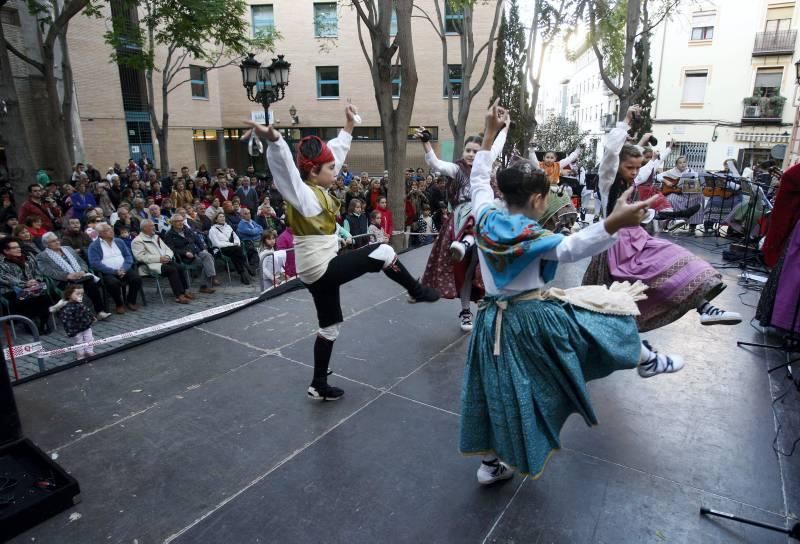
<point x="199" y="81"/>
<point x="453" y="18"/>
<point x="694" y="87"/>
<point x="262" y="20"/>
<point x="779" y="18"/>
<point x="768" y="82"/>
<point x="703" y="26"/>
<point x="454" y="78"/>
<point x="395" y="81"/>
<point x="327" y="82"/>
<point x="326" y="25"/>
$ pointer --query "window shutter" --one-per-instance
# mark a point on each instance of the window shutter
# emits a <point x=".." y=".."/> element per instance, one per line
<point x="694" y="87"/>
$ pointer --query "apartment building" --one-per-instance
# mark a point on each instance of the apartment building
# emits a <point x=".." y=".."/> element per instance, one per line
<point x="319" y="39"/>
<point x="725" y="80"/>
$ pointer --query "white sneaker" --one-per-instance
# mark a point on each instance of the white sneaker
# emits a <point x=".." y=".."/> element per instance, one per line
<point x="103" y="315"/>
<point x="466" y="320"/>
<point x="659" y="364"/>
<point x="457" y="251"/>
<point x="711" y="315"/>
<point x="493" y="471"/>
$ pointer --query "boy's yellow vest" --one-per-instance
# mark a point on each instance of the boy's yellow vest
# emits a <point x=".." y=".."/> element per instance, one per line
<point x="322" y="224"/>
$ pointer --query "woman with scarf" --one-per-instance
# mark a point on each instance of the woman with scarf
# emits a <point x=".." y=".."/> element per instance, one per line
<point x="452" y="265"/>
<point x="677" y="280"/>
<point x="311" y="213"/>
<point x="65" y="267"/>
<point x="22" y="285"/>
<point x="533" y="349"/>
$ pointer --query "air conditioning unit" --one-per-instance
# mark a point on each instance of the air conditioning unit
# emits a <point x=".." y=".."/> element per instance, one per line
<point x="752" y="111"/>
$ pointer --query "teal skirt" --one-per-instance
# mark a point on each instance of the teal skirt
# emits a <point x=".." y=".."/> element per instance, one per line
<point x="515" y="404"/>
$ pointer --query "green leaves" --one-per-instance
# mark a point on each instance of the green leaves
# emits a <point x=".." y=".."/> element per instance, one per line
<point x="559" y="134"/>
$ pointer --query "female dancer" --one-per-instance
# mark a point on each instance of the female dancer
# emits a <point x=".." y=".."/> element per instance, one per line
<point x="533" y="350"/>
<point x="311" y="213"/>
<point x="452" y="264"/>
<point x="677" y="280"/>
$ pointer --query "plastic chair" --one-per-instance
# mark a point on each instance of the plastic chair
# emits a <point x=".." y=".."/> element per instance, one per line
<point x="153" y="275"/>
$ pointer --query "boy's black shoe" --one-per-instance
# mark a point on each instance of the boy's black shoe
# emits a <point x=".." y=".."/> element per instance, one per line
<point x="324" y="392"/>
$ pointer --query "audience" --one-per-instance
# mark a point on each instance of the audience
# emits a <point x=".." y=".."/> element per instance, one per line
<point x="155" y="256"/>
<point x="189" y="247"/>
<point x="113" y="259"/>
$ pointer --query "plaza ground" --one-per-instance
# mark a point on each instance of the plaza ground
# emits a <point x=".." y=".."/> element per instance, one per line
<point x="206" y="436"/>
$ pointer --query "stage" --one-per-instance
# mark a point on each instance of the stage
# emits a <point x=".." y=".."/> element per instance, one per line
<point x="207" y="436"/>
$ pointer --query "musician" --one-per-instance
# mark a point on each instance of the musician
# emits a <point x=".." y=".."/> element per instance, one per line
<point x="682" y="193"/>
<point x="722" y="195"/>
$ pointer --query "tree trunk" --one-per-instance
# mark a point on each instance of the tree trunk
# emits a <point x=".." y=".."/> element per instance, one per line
<point x="162" y="135"/>
<point x="67" y="99"/>
<point x="20" y="164"/>
<point x="57" y="134"/>
<point x="631" y="27"/>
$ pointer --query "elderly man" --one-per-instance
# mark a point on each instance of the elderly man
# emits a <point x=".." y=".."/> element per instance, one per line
<point x="126" y="221"/>
<point x="74" y="237"/>
<point x="250" y="234"/>
<point x="189" y="246"/>
<point x="64" y="266"/>
<point x="223" y="192"/>
<point x="112" y="258"/>
<point x="248" y="197"/>
<point x="160" y="220"/>
<point x="151" y="252"/>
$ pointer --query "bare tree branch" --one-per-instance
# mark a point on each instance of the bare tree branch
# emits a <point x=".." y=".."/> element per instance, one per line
<point x="22" y="56"/>
<point x="362" y="44"/>
<point x="428" y="17"/>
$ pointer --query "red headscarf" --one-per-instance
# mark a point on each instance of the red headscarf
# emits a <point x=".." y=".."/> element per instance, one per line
<point x="305" y="164"/>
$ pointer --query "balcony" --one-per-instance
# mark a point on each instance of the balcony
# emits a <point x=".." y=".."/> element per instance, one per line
<point x="763" y="111"/>
<point x="779" y="42"/>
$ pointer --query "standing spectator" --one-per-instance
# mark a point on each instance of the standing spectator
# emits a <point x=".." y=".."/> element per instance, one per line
<point x="202" y="172"/>
<point x="377" y="234"/>
<point x="134" y="168"/>
<point x="247" y="195"/>
<point x="65" y="267"/>
<point x="77" y="320"/>
<point x="224" y="238"/>
<point x="93" y="173"/>
<point x="81" y="201"/>
<point x="373" y="194"/>
<point x="155" y="255"/>
<point x="347" y="175"/>
<point x="386" y="216"/>
<point x="168" y="182"/>
<point x="181" y="197"/>
<point x="78" y="171"/>
<point x="185" y="176"/>
<point x="74" y="237"/>
<point x="223" y="192"/>
<point x="356" y="223"/>
<point x="22" y="284"/>
<point x="35" y="206"/>
<point x="417" y="199"/>
<point x="115" y="191"/>
<point x="144" y="162"/>
<point x="267" y="216"/>
<point x="112" y="258"/>
<point x="273" y="263"/>
<point x="189" y="247"/>
<point x="424" y="225"/>
<point x="286" y="242"/>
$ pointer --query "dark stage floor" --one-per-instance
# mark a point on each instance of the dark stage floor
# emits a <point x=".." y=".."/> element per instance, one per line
<point x="207" y="436"/>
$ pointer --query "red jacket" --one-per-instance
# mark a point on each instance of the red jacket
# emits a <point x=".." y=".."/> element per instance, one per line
<point x="29" y="208"/>
<point x="386" y="220"/>
<point x="218" y="194"/>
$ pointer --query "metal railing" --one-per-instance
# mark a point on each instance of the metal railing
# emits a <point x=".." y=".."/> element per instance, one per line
<point x="775" y="42"/>
<point x="762" y="112"/>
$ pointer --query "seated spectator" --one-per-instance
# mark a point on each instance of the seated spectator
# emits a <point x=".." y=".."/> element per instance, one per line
<point x="29" y="247"/>
<point x="9" y="224"/>
<point x="74" y="237"/>
<point x="92" y="220"/>
<point x="267" y="216"/>
<point x="286" y="242"/>
<point x="356" y="223"/>
<point x="138" y="208"/>
<point x="197" y="219"/>
<point x="250" y="234"/>
<point x="155" y="255"/>
<point x="213" y="209"/>
<point x="223" y="192"/>
<point x="247" y="194"/>
<point x="113" y="259"/>
<point x="273" y="262"/>
<point x="126" y="221"/>
<point x="232" y="216"/>
<point x="104" y="202"/>
<point x="34" y="225"/>
<point x="159" y="220"/>
<point x="167" y="208"/>
<point x="224" y="238"/>
<point x="23" y="286"/>
<point x="188" y="247"/>
<point x="126" y="236"/>
<point x="181" y="196"/>
<point x="65" y="267"/>
<point x="81" y="201"/>
<point x="34" y="206"/>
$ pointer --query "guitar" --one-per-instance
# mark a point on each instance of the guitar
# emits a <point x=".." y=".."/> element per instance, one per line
<point x="669" y="185"/>
<point x="717" y="187"/>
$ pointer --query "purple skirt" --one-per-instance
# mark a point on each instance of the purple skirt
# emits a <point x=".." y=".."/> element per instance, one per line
<point x="789" y="285"/>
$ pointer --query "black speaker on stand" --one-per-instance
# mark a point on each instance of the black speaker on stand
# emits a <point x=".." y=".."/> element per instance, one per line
<point x="33" y="487"/>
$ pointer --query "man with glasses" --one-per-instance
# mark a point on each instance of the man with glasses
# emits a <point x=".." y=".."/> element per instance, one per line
<point x="34" y="206"/>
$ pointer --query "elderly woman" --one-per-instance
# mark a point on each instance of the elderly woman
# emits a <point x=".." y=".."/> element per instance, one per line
<point x="181" y="196"/>
<point x="29" y="247"/>
<point x="22" y="284"/>
<point x="63" y="265"/>
<point x="224" y="238"/>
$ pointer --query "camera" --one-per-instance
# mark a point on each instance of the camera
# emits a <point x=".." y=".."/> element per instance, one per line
<point x="426" y="136"/>
<point x="653" y="141"/>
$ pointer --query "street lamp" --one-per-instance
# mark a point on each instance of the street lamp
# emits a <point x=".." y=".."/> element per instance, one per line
<point x="265" y="84"/>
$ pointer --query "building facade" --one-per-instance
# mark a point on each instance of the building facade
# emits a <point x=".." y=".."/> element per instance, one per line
<point x="319" y="39"/>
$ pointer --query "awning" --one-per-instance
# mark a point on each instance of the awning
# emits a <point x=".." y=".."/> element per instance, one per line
<point x="765" y="137"/>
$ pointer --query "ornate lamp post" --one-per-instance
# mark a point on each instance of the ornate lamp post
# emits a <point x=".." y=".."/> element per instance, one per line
<point x="265" y="84"/>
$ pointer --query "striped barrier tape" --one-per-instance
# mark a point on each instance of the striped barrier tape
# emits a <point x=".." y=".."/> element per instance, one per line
<point x="23" y="350"/>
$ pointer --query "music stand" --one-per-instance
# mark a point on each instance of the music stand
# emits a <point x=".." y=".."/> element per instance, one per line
<point x="757" y="195"/>
<point x="718" y="181"/>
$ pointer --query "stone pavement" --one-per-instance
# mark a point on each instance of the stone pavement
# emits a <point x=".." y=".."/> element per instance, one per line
<point x="206" y="436"/>
<point x="153" y="313"/>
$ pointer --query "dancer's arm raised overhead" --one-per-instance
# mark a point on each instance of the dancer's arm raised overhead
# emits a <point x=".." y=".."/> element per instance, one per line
<point x="572" y="157"/>
<point x="610" y="161"/>
<point x="446" y="168"/>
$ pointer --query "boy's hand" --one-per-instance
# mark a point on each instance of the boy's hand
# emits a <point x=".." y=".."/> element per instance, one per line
<point x="633" y="112"/>
<point x="495" y="121"/>
<point x="267" y="131"/>
<point x="627" y="215"/>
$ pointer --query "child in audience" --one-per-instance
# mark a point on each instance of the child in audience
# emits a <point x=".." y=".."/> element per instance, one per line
<point x="273" y="263"/>
<point x="77" y="319"/>
<point x="424" y="225"/>
<point x="375" y="229"/>
<point x="125" y="236"/>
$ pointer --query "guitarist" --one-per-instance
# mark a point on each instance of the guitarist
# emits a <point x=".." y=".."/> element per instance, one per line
<point x="673" y="183"/>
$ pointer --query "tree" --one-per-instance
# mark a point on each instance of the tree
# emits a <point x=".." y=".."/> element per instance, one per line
<point x="642" y="87"/>
<point x="509" y="80"/>
<point x="213" y="32"/>
<point x="53" y="17"/>
<point x="471" y="59"/>
<point x="382" y="52"/>
<point x="558" y="133"/>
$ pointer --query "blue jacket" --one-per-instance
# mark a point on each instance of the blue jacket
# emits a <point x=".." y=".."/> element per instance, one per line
<point x="96" y="256"/>
<point x="249" y="231"/>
